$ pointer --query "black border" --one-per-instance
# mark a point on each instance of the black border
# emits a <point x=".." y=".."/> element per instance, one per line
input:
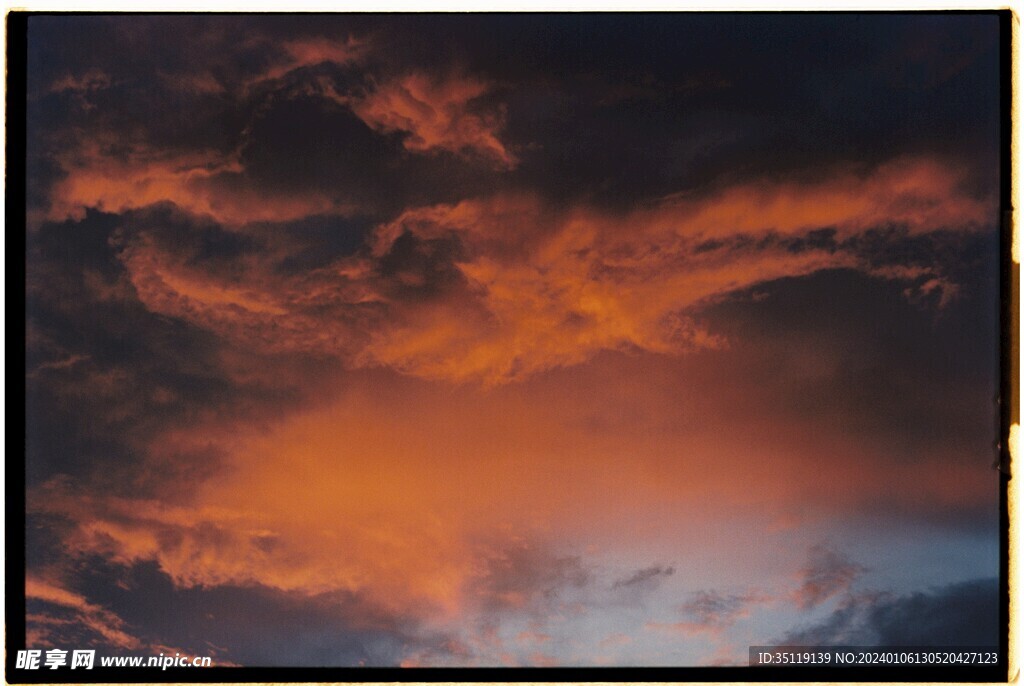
<point x="1009" y="314"/>
<point x="15" y="535"/>
<point x="15" y="173"/>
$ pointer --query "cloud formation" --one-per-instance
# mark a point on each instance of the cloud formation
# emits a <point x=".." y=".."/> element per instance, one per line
<point x="437" y="114"/>
<point x="828" y="573"/>
<point x="496" y="289"/>
<point x="313" y="51"/>
<point x="711" y="612"/>
<point x="71" y="610"/>
<point x="205" y="184"/>
<point x="919" y="619"/>
<point x="409" y="355"/>
<point x="520" y="576"/>
<point x="644" y="577"/>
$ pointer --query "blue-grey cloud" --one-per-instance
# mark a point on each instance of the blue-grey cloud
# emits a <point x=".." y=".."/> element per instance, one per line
<point x="646" y="577"/>
<point x="960" y="614"/>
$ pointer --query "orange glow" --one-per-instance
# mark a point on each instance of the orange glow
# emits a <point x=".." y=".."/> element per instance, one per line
<point x="920" y="193"/>
<point x="401" y="491"/>
<point x="436" y="114"/>
<point x="551" y="289"/>
<point x="310" y="52"/>
<point x="191" y="182"/>
<point x="103" y="622"/>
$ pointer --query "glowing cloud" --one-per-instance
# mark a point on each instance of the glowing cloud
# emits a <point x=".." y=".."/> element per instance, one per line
<point x="206" y="184"/>
<point x="437" y="114"/>
<point x="497" y="289"/>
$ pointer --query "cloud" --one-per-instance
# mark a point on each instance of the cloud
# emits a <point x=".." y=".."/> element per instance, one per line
<point x="712" y="612"/>
<point x="141" y="389"/>
<point x="920" y="194"/>
<point x="206" y="183"/>
<point x="393" y="562"/>
<point x="923" y="618"/>
<point x="131" y="154"/>
<point x="324" y="327"/>
<point x="328" y="497"/>
<point x="81" y="87"/>
<point x="437" y="114"/>
<point x="64" y="363"/>
<point x="828" y="573"/>
<point x="332" y="497"/>
<point x="500" y="288"/>
<point x="711" y="608"/>
<point x="525" y="577"/>
<point x="62" y="611"/>
<point x="296" y="64"/>
<point x="318" y="630"/>
<point x="210" y="545"/>
<point x="91" y="80"/>
<point x="648" y="576"/>
<point x="247" y="129"/>
<point x="313" y="51"/>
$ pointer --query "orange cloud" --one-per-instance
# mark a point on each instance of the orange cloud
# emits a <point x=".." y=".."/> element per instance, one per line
<point x="83" y="613"/>
<point x="391" y="558"/>
<point x="534" y="288"/>
<point x="437" y="114"/>
<point x="920" y="194"/>
<point x="421" y="498"/>
<point x="195" y="182"/>
<point x="309" y="52"/>
<point x="201" y="183"/>
<point x="432" y="503"/>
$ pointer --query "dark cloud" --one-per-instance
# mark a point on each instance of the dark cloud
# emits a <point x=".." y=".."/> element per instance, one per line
<point x="582" y="120"/>
<point x="924" y="618"/>
<point x="906" y="372"/>
<point x="113" y="388"/>
<point x="277" y="112"/>
<point x="646" y="577"/>
<point x="960" y="614"/>
<point x="249" y="626"/>
<point x="233" y="217"/>
<point x="57" y="618"/>
<point x="414" y="268"/>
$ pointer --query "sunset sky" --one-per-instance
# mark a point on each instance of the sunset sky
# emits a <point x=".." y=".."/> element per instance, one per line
<point x="483" y="340"/>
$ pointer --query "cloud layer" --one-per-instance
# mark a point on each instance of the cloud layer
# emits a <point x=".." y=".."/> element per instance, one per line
<point x="495" y="289"/>
<point x="516" y="352"/>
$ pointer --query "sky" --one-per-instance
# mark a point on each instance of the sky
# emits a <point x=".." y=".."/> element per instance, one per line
<point x="511" y="340"/>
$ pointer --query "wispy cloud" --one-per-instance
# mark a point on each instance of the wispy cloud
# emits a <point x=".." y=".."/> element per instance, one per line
<point x="310" y="52"/>
<point x="828" y="573"/>
<point x="644" y="577"/>
<point x="712" y="612"/>
<point x="79" y="614"/>
<point x="497" y="289"/>
<point x="204" y="183"/>
<point x="438" y="114"/>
